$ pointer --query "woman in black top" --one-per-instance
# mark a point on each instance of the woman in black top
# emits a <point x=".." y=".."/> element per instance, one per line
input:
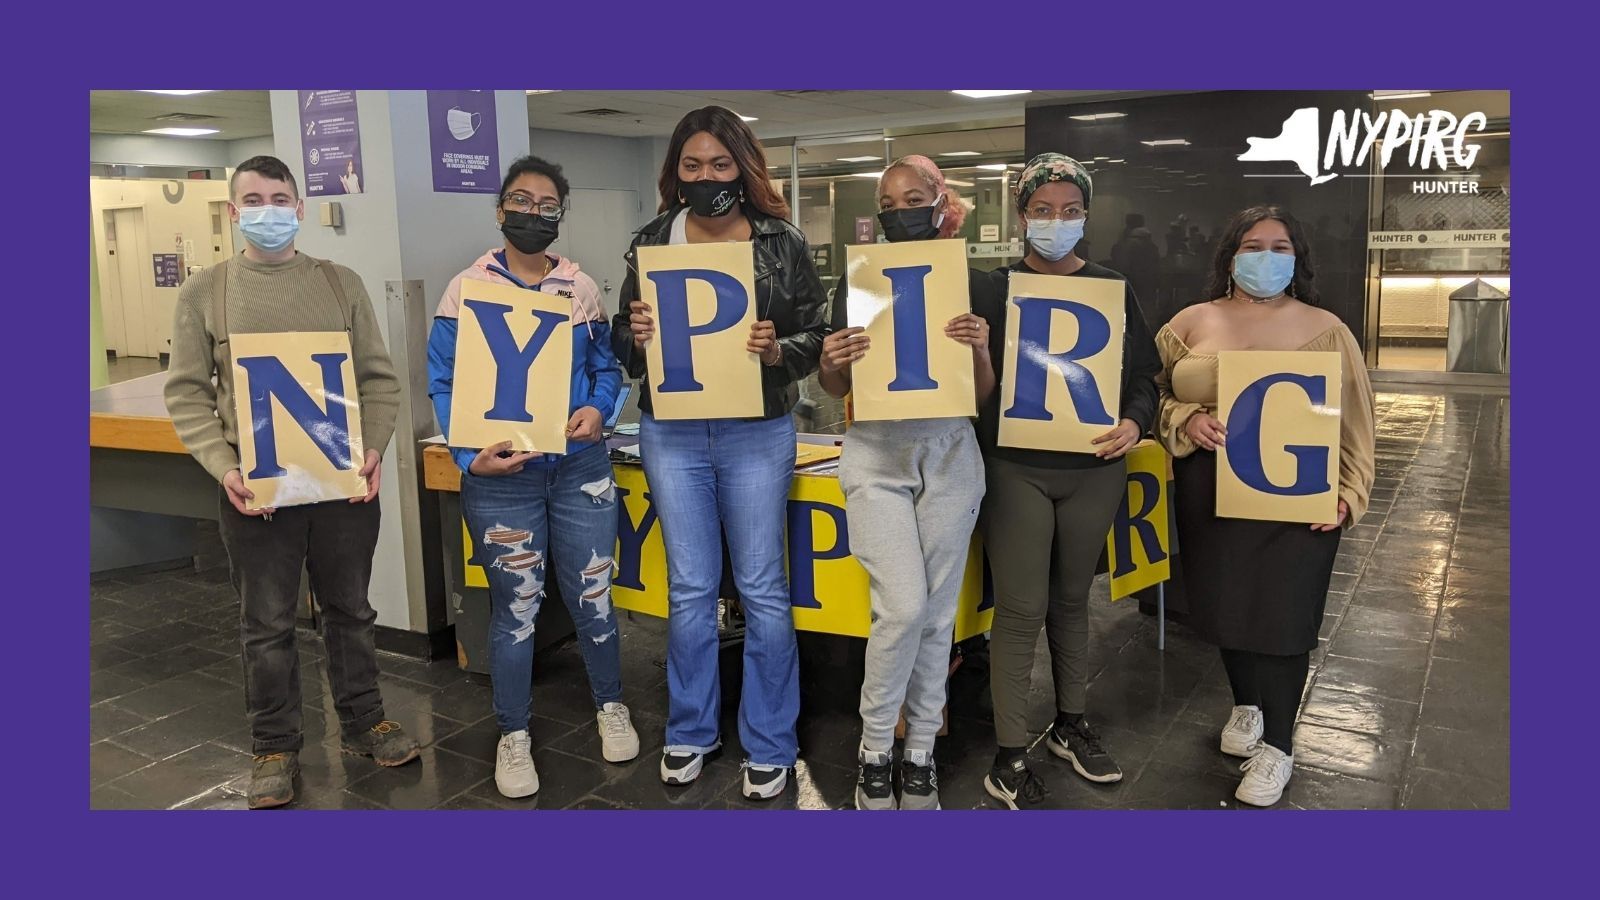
<point x="1046" y="513"/>
<point x="714" y="477"/>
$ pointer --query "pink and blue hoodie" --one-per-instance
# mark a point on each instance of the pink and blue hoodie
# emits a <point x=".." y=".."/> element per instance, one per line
<point x="596" y="376"/>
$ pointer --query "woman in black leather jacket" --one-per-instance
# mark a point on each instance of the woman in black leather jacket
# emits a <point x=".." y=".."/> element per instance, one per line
<point x="714" y="477"/>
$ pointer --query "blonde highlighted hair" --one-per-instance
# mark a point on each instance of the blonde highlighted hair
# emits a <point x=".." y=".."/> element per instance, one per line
<point x="956" y="207"/>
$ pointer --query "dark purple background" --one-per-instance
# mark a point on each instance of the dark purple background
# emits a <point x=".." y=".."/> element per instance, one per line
<point x="976" y="854"/>
<point x="334" y="140"/>
<point x="471" y="166"/>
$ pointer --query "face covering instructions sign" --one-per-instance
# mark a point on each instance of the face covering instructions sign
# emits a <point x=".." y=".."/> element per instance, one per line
<point x="463" y="142"/>
<point x="330" y="142"/>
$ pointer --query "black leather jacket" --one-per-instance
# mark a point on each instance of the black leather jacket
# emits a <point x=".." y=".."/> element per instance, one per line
<point x="788" y="293"/>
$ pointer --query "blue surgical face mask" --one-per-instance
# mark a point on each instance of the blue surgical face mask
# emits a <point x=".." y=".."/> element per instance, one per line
<point x="1054" y="239"/>
<point x="1263" y="273"/>
<point x="269" y="228"/>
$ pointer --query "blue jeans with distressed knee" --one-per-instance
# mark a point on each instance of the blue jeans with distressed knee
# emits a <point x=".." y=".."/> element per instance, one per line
<point x="562" y="515"/>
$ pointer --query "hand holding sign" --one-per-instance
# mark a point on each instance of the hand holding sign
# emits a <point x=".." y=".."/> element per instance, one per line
<point x="584" y="426"/>
<point x="240" y="496"/>
<point x="499" y="460"/>
<point x="1206" y="431"/>
<point x="764" y="342"/>
<point x="640" y="322"/>
<point x="844" y="348"/>
<point x="971" y="330"/>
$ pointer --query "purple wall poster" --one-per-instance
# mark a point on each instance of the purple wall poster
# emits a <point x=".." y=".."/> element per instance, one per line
<point x="330" y="141"/>
<point x="167" y="270"/>
<point x="463" y="142"/>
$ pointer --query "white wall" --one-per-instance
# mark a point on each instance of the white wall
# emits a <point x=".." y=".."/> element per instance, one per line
<point x="604" y="161"/>
<point x="244" y="148"/>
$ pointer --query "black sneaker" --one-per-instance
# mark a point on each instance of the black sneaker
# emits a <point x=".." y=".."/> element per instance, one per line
<point x="1015" y="785"/>
<point x="919" y="781"/>
<point x="681" y="768"/>
<point x="272" y="779"/>
<point x="875" y="781"/>
<point x="1079" y="745"/>
<point x="764" y="782"/>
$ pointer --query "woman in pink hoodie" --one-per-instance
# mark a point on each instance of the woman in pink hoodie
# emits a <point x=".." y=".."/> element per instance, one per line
<point x="519" y="507"/>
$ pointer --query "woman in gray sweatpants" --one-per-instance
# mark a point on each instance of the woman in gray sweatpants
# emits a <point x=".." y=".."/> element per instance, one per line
<point x="912" y="489"/>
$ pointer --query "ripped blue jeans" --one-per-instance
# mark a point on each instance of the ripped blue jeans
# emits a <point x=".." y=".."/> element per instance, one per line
<point x="568" y="510"/>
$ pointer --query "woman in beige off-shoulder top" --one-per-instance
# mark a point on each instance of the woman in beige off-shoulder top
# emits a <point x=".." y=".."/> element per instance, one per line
<point x="1257" y="589"/>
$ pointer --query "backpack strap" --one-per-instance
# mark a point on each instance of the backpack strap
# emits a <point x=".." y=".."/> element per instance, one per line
<point x="219" y="314"/>
<point x="338" y="293"/>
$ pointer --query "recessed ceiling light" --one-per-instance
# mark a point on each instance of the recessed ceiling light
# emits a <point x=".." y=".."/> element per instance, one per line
<point x="1400" y="95"/>
<point x="983" y="95"/>
<point x="962" y="153"/>
<point x="859" y="158"/>
<point x="1091" y="117"/>
<point x="182" y="132"/>
<point x="1169" y="142"/>
<point x="544" y="92"/>
<point x="176" y="93"/>
<point x="750" y="118"/>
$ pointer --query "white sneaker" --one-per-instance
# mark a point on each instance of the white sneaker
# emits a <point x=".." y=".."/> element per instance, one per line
<point x="764" y="782"/>
<point x="1242" y="736"/>
<point x="618" y="741"/>
<point x="1265" y="776"/>
<point x="514" y="773"/>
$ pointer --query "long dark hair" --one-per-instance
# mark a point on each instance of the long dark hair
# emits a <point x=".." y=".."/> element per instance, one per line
<point x="726" y="126"/>
<point x="1304" y="285"/>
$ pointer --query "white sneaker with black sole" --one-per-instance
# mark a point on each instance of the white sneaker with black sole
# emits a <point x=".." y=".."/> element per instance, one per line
<point x="514" y="774"/>
<point x="1265" y="776"/>
<point x="681" y="767"/>
<point x="618" y="741"/>
<point x="764" y="782"/>
<point x="1242" y="735"/>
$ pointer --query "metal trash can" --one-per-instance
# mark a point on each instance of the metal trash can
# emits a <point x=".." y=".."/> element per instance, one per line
<point x="1480" y="323"/>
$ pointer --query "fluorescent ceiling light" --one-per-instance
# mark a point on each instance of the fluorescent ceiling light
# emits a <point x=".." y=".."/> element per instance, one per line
<point x="544" y="92"/>
<point x="957" y="182"/>
<point x="1400" y="95"/>
<point x="962" y="153"/>
<point x="750" y="118"/>
<point x="1116" y="160"/>
<point x="1019" y="165"/>
<point x="983" y="95"/>
<point x="866" y="174"/>
<point x="1094" y="116"/>
<point x="859" y="158"/>
<point x="182" y="132"/>
<point x="176" y="93"/>
<point x="989" y="178"/>
<point x="1169" y="142"/>
<point x="992" y="167"/>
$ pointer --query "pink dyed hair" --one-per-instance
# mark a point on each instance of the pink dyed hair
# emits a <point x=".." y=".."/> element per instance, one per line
<point x="955" y="208"/>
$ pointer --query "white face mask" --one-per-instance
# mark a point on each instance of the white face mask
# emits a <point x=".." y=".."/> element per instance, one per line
<point x="463" y="124"/>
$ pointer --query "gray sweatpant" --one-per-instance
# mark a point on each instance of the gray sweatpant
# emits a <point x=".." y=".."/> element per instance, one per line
<point x="912" y="490"/>
<point x="1043" y="530"/>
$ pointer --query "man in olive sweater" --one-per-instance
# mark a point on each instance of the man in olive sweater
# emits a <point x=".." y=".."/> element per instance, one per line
<point x="273" y="288"/>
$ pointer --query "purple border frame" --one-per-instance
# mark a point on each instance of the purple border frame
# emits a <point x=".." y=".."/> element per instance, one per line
<point x="853" y="46"/>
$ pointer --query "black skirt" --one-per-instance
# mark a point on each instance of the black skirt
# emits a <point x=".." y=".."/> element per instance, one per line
<point x="1251" y="585"/>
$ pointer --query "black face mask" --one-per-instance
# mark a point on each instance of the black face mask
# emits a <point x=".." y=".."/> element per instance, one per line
<point x="529" y="233"/>
<point x="711" y="198"/>
<point x="914" y="224"/>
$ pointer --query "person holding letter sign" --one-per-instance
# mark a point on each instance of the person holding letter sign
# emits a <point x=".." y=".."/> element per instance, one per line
<point x="524" y="509"/>
<point x="711" y="476"/>
<point x="1046" y="514"/>
<point x="912" y="488"/>
<point x="271" y="288"/>
<point x="1257" y="588"/>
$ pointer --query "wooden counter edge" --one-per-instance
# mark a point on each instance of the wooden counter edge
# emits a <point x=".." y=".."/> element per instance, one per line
<point x="439" y="469"/>
<point x="154" y="435"/>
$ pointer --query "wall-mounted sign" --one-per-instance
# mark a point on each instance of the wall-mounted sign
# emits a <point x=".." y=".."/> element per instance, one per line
<point x="1436" y="240"/>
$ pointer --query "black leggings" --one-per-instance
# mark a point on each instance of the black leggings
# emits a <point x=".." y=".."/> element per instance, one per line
<point x="1273" y="684"/>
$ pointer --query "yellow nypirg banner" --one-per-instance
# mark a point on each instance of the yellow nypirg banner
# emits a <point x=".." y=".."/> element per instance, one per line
<point x="903" y="295"/>
<point x="702" y="297"/>
<point x="1061" y="385"/>
<point x="1281" y="459"/>
<point x="1139" y="547"/>
<point x="513" y="373"/>
<point x="299" y="417"/>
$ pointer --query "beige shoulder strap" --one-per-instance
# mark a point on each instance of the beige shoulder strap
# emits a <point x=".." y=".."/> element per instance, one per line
<point x="338" y="293"/>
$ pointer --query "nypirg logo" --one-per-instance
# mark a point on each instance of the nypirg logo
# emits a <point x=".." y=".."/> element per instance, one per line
<point x="1433" y="138"/>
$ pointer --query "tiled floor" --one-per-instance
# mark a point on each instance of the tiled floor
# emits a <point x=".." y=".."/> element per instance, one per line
<point x="1409" y="705"/>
